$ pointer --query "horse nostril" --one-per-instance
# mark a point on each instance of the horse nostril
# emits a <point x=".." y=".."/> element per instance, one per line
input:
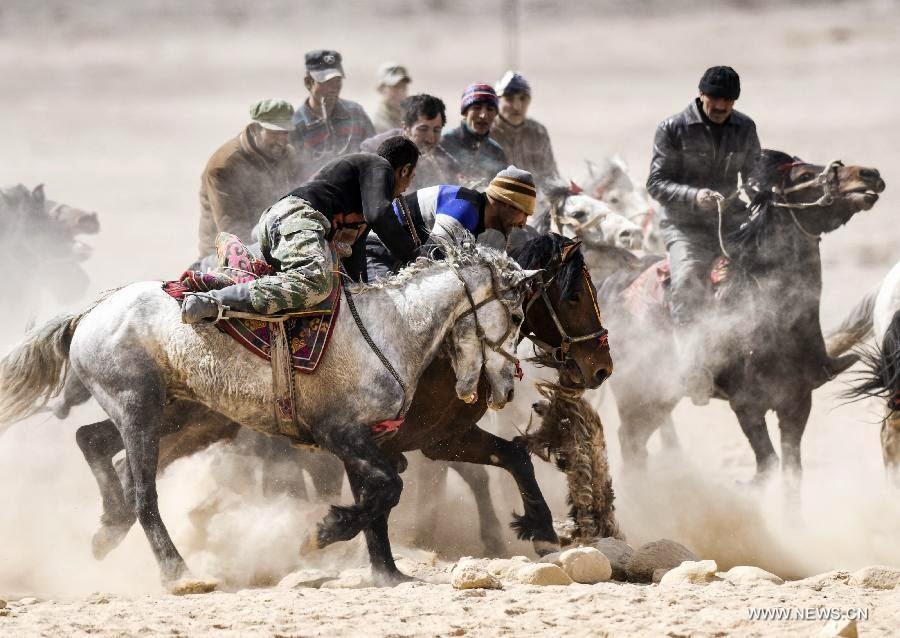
<point x="600" y="376"/>
<point x="509" y="395"/>
<point x="869" y="173"/>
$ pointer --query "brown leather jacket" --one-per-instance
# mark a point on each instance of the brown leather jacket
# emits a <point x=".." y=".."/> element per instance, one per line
<point x="238" y="184"/>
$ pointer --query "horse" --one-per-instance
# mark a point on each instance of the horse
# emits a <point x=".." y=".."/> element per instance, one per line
<point x="764" y="326"/>
<point x="39" y="244"/>
<point x="878" y="313"/>
<point x="134" y="355"/>
<point x="610" y="182"/>
<point x="566" y="296"/>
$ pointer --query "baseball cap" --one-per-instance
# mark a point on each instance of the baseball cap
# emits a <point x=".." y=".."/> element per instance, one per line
<point x="324" y="64"/>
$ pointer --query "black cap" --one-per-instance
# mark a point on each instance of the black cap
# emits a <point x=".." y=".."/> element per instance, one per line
<point x="721" y="81"/>
<point x="323" y="65"/>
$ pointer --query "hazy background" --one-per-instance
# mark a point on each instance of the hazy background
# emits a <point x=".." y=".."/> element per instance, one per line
<point x="116" y="107"/>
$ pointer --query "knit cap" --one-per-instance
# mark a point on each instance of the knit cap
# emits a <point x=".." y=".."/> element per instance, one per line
<point x="478" y="93"/>
<point x="515" y="187"/>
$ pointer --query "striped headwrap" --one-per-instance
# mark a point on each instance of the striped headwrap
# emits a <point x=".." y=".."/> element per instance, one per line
<point x="478" y="93"/>
<point x="515" y="187"/>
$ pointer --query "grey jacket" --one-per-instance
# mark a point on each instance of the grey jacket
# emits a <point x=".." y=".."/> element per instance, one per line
<point x="685" y="160"/>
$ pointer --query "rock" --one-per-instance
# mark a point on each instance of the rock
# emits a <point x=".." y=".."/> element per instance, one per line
<point x="661" y="554"/>
<point x="350" y="579"/>
<point x="542" y="574"/>
<point x="876" y="577"/>
<point x="303" y="578"/>
<point x="619" y="554"/>
<point x="690" y="572"/>
<point x="748" y="575"/>
<point x="585" y="565"/>
<point x="552" y="557"/>
<point x="2" y="604"/>
<point x="659" y="573"/>
<point x="844" y="628"/>
<point x="30" y="600"/>
<point x="506" y="568"/>
<point x="470" y="573"/>
<point x="817" y="582"/>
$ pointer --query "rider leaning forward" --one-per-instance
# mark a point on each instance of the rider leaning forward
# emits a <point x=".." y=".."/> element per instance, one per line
<point x="442" y="211"/>
<point x="339" y="204"/>
<point x="697" y="157"/>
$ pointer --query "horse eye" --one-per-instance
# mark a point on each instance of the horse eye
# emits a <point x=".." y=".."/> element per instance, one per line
<point x="576" y="298"/>
<point x="613" y="200"/>
<point x="579" y="214"/>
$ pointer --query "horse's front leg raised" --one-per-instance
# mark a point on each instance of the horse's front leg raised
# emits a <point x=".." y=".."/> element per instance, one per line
<point x="376" y="486"/>
<point x="474" y="445"/>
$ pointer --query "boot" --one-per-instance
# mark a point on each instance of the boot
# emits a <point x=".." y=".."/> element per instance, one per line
<point x="206" y="306"/>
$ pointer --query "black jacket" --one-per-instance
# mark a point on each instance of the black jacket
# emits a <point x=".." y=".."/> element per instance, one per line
<point x="355" y="191"/>
<point x="685" y="160"/>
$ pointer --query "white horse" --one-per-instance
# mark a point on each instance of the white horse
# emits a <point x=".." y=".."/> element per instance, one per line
<point x="878" y="314"/>
<point x="137" y="359"/>
<point x="610" y="182"/>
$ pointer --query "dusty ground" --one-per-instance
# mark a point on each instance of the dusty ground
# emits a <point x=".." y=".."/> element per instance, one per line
<point x="117" y="108"/>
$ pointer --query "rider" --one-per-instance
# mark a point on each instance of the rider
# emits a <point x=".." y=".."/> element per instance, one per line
<point x="346" y="197"/>
<point x="470" y="143"/>
<point x="697" y="157"/>
<point x="440" y="211"/>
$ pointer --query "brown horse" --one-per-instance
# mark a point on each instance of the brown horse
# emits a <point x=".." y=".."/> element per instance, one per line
<point x="563" y="318"/>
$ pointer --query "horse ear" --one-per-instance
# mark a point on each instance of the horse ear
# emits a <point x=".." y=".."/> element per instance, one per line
<point x="574" y="189"/>
<point x="569" y="249"/>
<point x="38" y="193"/>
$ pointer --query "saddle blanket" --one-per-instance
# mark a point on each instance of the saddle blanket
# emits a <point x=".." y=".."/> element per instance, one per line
<point x="647" y="295"/>
<point x="308" y="332"/>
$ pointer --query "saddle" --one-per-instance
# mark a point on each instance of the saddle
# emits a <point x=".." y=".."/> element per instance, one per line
<point x="648" y="294"/>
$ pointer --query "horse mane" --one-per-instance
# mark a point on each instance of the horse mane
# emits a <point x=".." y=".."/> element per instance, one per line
<point x="881" y="377"/>
<point x="542" y="253"/>
<point x="767" y="172"/>
<point x="460" y="249"/>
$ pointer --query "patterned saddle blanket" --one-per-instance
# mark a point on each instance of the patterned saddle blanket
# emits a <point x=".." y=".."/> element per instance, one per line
<point x="308" y="332"/>
<point x="648" y="294"/>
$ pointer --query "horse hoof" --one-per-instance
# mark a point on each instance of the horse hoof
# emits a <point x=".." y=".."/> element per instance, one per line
<point x="309" y="545"/>
<point x="189" y="585"/>
<point x="392" y="579"/>
<point x="107" y="538"/>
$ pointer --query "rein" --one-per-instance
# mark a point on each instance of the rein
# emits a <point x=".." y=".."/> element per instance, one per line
<point x="561" y="352"/>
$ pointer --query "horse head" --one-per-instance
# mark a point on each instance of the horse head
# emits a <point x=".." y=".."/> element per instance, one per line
<point x="562" y="316"/>
<point x="75" y="221"/>
<point x="485" y="335"/>
<point x="586" y="218"/>
<point x="816" y="198"/>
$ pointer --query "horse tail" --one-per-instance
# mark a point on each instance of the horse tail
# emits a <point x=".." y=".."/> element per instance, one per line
<point x="881" y="377"/>
<point x="856" y="327"/>
<point x="35" y="370"/>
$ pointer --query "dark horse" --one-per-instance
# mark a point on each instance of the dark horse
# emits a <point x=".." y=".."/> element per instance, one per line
<point x="763" y="337"/>
<point x="438" y="423"/>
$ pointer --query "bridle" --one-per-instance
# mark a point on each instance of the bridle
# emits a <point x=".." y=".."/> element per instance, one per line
<point x="561" y="352"/>
<point x="826" y="180"/>
<point x="559" y="219"/>
<point x="511" y="326"/>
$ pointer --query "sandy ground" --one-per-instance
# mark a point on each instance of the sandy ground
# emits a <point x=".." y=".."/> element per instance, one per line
<point x="116" y="108"/>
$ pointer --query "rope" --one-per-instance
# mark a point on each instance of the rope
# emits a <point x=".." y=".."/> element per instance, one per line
<point x="384" y="361"/>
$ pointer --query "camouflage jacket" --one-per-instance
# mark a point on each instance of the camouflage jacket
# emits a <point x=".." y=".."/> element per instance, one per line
<point x="528" y="147"/>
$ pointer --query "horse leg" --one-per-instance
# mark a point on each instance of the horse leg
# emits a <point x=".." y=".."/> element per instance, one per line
<point x="326" y="472"/>
<point x="476" y="477"/>
<point x="792" y="419"/>
<point x="474" y="445"/>
<point x="668" y="435"/>
<point x="890" y="446"/>
<point x="73" y="393"/>
<point x="428" y="483"/>
<point x="376" y="485"/>
<point x="638" y="422"/>
<point x="752" y="418"/>
<point x="100" y="442"/>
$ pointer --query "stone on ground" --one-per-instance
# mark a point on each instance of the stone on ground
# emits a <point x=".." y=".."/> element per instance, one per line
<point x="619" y="554"/>
<point x="876" y="577"/>
<point x="542" y="574"/>
<point x="659" y="573"/>
<point x="470" y="573"/>
<point x="350" y="579"/>
<point x="748" y="575"/>
<point x="819" y="581"/>
<point x="690" y="572"/>
<point x="844" y="628"/>
<point x="506" y="568"/>
<point x="661" y="554"/>
<point x="303" y="578"/>
<point x="586" y="565"/>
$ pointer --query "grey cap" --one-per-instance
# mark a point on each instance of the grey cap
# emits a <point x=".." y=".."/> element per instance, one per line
<point x="273" y="114"/>
<point x="392" y="74"/>
<point x="517" y="174"/>
<point x="324" y="64"/>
